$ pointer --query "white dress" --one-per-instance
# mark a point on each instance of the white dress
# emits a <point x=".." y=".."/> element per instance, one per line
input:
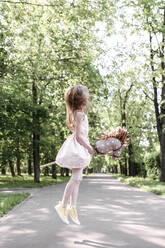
<point x="72" y="154"/>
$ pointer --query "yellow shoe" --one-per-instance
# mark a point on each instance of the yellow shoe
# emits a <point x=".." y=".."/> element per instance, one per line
<point x="62" y="213"/>
<point x="73" y="215"/>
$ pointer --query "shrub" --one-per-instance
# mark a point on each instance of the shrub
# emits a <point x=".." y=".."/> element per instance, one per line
<point x="152" y="164"/>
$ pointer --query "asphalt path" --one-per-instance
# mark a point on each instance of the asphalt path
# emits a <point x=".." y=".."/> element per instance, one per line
<point x="112" y="215"/>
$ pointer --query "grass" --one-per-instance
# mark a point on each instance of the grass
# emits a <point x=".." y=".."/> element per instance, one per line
<point x="147" y="184"/>
<point x="8" y="201"/>
<point x="26" y="181"/>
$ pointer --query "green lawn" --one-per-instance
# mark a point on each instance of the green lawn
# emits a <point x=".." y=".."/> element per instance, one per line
<point x="147" y="184"/>
<point x="8" y="201"/>
<point x="26" y="181"/>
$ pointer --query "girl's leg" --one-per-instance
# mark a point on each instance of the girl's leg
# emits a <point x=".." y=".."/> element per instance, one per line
<point x="67" y="192"/>
<point x="70" y="192"/>
<point x="72" y="186"/>
<point x="77" y="175"/>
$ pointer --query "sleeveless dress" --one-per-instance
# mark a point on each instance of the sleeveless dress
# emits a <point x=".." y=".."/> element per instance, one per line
<point x="72" y="154"/>
<point x="111" y="144"/>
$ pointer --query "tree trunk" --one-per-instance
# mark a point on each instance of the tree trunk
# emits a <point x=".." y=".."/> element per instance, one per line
<point x="11" y="168"/>
<point x="155" y="84"/>
<point x="125" y="165"/>
<point x="36" y="136"/>
<point x="162" y="143"/>
<point x="54" y="171"/>
<point x="162" y="157"/>
<point x="62" y="171"/>
<point x="18" y="163"/>
<point x="130" y="160"/>
<point x="121" y="168"/>
<point x="36" y="159"/>
<point x="67" y="172"/>
<point x="160" y="115"/>
<point x="3" y="170"/>
<point x="135" y="169"/>
<point x="46" y="160"/>
<point x="123" y="103"/>
<point x="46" y="171"/>
<point x="18" y="159"/>
<point x="114" y="169"/>
<point x="29" y="166"/>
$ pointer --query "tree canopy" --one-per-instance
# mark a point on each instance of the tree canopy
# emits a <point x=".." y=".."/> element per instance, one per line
<point x="115" y="48"/>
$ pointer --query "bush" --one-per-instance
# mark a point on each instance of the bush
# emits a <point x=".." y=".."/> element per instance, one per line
<point x="152" y="164"/>
<point x="140" y="169"/>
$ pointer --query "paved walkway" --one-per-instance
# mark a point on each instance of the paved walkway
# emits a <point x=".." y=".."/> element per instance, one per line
<point x="112" y="215"/>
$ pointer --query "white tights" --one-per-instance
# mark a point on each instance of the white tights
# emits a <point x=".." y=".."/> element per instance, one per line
<point x="72" y="188"/>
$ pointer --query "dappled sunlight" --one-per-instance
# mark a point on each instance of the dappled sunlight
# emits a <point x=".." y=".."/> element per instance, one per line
<point x="114" y="187"/>
<point x="44" y="210"/>
<point x="157" y="237"/>
<point x="4" y="229"/>
<point x="24" y="231"/>
<point x="94" y="207"/>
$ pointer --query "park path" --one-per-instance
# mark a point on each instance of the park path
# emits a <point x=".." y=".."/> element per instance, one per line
<point x="112" y="215"/>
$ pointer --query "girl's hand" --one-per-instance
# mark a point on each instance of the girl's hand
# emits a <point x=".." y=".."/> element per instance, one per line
<point x="99" y="153"/>
<point x="91" y="150"/>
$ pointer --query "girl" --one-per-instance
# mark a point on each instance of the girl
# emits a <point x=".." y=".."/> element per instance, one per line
<point x="113" y="142"/>
<point x="76" y="152"/>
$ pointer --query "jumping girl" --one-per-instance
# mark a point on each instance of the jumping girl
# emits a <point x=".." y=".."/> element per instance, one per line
<point x="76" y="152"/>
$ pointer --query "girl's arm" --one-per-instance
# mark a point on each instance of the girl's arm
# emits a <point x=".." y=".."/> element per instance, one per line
<point x="79" y="136"/>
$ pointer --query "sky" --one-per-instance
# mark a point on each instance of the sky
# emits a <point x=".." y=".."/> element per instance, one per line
<point x="121" y="42"/>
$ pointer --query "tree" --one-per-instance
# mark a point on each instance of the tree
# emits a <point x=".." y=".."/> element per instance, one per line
<point x="51" y="47"/>
<point x="153" y="15"/>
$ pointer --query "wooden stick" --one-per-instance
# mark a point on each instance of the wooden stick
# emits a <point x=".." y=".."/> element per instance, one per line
<point x="46" y="165"/>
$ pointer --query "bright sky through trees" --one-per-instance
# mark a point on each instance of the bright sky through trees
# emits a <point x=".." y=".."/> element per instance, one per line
<point x="123" y="40"/>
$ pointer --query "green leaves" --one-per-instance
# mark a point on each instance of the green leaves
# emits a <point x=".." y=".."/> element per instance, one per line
<point x="52" y="47"/>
